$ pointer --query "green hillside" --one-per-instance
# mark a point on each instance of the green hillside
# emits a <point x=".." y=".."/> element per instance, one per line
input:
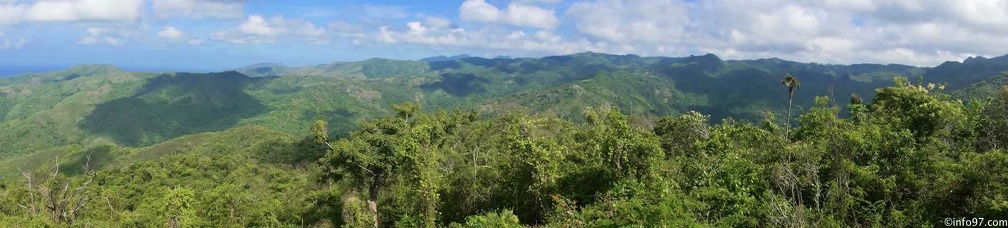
<point x="169" y="106"/>
<point x="987" y="88"/>
<point x="98" y="104"/>
<point x="589" y="139"/>
<point x="907" y="157"/>
<point x="41" y="111"/>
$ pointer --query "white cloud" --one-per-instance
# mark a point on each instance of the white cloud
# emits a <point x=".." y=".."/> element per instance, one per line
<point x="102" y="36"/>
<point x="198" y="8"/>
<point x="113" y="41"/>
<point x="539" y="1"/>
<point x="170" y="32"/>
<point x="918" y="32"/>
<point x="486" y="39"/>
<point x="257" y="25"/>
<point x="84" y="10"/>
<point x="631" y="22"/>
<point x="832" y="31"/>
<point x="515" y="14"/>
<point x="9" y="44"/>
<point x="11" y="14"/>
<point x="438" y="22"/>
<point x="258" y="29"/>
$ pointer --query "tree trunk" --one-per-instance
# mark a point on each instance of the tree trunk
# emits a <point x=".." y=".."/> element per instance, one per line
<point x="373" y="197"/>
<point x="788" y="126"/>
<point x="173" y="222"/>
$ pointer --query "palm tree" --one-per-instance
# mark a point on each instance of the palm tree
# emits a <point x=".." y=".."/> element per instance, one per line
<point x="792" y="83"/>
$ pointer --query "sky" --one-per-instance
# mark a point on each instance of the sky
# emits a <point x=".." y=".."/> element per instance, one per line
<point x="224" y="34"/>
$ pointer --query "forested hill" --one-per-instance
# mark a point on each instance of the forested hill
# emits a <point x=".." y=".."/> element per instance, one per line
<point x="576" y="140"/>
<point x="92" y="105"/>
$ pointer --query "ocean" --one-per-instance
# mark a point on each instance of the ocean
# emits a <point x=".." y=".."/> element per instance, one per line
<point x="10" y="71"/>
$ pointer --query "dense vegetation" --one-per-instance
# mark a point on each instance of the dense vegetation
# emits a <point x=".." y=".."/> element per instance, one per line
<point x="911" y="156"/>
<point x="585" y="140"/>
<point x="97" y="105"/>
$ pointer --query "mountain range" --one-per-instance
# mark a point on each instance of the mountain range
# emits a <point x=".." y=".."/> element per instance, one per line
<point x="92" y="106"/>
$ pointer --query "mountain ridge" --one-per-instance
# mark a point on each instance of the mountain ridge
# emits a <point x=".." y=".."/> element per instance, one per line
<point x="288" y="98"/>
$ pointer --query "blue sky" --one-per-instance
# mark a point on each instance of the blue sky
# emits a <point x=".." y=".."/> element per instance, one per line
<point x="222" y="34"/>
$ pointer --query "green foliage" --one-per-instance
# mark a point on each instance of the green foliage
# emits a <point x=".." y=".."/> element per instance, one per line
<point x="679" y="134"/>
<point x="320" y="150"/>
<point x="504" y="219"/>
<point x="630" y="152"/>
<point x="915" y="109"/>
<point x="95" y="105"/>
<point x="992" y="126"/>
<point x="403" y="147"/>
<point x="177" y="208"/>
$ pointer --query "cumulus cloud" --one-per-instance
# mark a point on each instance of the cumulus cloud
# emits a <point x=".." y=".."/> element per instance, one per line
<point x="102" y="36"/>
<point x="170" y="32"/>
<point x="258" y="29"/>
<point x="485" y="39"/>
<point x="515" y="14"/>
<point x="539" y="1"/>
<point x="84" y="10"/>
<point x="917" y="32"/>
<point x="438" y="22"/>
<point x="923" y="33"/>
<point x="631" y="22"/>
<point x="9" y="44"/>
<point x="198" y="8"/>
<point x="832" y="31"/>
<point x="910" y="32"/>
<point x="11" y="14"/>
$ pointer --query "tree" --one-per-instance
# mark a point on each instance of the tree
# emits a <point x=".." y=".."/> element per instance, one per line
<point x="504" y="219"/>
<point x="994" y="131"/>
<point x="678" y="134"/>
<point x="401" y="147"/>
<point x="627" y="151"/>
<point x="54" y="196"/>
<point x="178" y="208"/>
<point x="857" y="108"/>
<point x="371" y="156"/>
<point x="792" y="83"/>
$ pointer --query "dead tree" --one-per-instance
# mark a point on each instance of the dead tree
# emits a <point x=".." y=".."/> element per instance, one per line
<point x="55" y="197"/>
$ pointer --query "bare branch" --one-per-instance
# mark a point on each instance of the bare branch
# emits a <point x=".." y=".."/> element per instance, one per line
<point x="31" y="190"/>
<point x="55" y="169"/>
<point x="365" y="169"/>
<point x="111" y="210"/>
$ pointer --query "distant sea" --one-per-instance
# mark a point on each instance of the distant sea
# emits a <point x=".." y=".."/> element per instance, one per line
<point x="10" y="71"/>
